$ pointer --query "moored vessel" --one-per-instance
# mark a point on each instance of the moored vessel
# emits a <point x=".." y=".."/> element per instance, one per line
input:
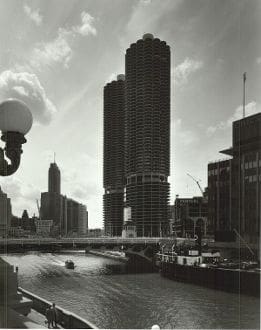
<point x="205" y="267"/>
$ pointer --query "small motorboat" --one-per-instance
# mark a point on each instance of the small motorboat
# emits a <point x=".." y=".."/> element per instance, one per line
<point x="69" y="264"/>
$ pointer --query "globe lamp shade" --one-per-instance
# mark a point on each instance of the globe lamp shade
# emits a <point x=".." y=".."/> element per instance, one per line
<point x="15" y="116"/>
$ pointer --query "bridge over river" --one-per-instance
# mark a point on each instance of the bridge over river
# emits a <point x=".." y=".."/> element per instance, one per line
<point x="14" y="244"/>
<point x="81" y="242"/>
<point x="139" y="250"/>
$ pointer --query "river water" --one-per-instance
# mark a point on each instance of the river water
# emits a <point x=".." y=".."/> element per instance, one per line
<point x="100" y="290"/>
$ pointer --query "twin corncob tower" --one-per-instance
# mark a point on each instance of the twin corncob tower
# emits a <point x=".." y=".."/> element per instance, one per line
<point x="137" y="140"/>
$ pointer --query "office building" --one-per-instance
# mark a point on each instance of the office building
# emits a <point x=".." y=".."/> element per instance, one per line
<point x="53" y="204"/>
<point x="113" y="161"/>
<point x="43" y="227"/>
<point x="27" y="223"/>
<point x="83" y="220"/>
<point x="241" y="181"/>
<point x="53" y="207"/>
<point x="147" y="134"/>
<point x="77" y="218"/>
<point x="54" y="179"/>
<point x="220" y="199"/>
<point x="5" y="213"/>
<point x="190" y="217"/>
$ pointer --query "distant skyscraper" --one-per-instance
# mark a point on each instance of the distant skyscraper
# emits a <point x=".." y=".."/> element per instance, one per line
<point x="69" y="216"/>
<point x="147" y="134"/>
<point x="54" y="179"/>
<point x="113" y="161"/>
<point x="5" y="213"/>
<point x="53" y="204"/>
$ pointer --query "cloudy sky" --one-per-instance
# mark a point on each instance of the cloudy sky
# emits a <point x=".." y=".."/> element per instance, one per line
<point x="56" y="55"/>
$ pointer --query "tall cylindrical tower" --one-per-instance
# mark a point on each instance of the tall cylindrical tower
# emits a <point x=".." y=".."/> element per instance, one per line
<point x="113" y="156"/>
<point x="147" y="134"/>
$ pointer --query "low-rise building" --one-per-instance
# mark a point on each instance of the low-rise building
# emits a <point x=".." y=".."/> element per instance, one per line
<point x="95" y="232"/>
<point x="190" y="216"/>
<point x="129" y="230"/>
<point x="43" y="227"/>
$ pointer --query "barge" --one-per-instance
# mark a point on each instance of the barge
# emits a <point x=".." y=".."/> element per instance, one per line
<point x="209" y="270"/>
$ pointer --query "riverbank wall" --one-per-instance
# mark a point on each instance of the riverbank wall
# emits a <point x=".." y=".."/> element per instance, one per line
<point x="66" y="319"/>
<point x="108" y="254"/>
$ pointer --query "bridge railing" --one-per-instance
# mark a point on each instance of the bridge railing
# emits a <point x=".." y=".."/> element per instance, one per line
<point x="90" y="240"/>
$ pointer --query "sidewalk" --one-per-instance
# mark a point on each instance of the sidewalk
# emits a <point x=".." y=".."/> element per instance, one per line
<point x="12" y="319"/>
<point x="39" y="319"/>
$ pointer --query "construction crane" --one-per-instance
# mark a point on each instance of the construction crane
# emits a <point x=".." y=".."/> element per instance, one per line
<point x="38" y="208"/>
<point x="197" y="182"/>
<point x="241" y="238"/>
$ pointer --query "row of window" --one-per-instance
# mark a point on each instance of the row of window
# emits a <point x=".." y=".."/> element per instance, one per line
<point x="253" y="178"/>
<point x="215" y="171"/>
<point x="252" y="164"/>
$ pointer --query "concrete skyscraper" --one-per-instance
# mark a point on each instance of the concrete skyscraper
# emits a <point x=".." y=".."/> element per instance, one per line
<point x="113" y="161"/>
<point x="147" y="134"/>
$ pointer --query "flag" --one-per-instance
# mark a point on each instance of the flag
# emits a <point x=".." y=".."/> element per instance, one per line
<point x="244" y="76"/>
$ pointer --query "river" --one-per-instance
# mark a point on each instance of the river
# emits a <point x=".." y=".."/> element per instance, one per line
<point x="100" y="290"/>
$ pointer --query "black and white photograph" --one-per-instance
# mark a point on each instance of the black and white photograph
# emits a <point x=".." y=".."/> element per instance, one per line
<point x="130" y="164"/>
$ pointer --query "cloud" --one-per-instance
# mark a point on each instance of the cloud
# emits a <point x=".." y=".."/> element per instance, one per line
<point x="258" y="60"/>
<point x="145" y="2"/>
<point x="23" y="195"/>
<point x="182" y="136"/>
<point x="53" y="52"/>
<point x="26" y="87"/>
<point x="60" y="49"/>
<point x="146" y="16"/>
<point x="87" y="27"/>
<point x="33" y="15"/>
<point x="79" y="187"/>
<point x="182" y="71"/>
<point x="250" y="109"/>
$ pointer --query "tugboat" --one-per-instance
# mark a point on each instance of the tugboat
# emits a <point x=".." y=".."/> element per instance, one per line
<point x="202" y="266"/>
<point x="69" y="264"/>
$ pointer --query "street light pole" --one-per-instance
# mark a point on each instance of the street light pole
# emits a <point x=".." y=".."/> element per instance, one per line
<point x="15" y="122"/>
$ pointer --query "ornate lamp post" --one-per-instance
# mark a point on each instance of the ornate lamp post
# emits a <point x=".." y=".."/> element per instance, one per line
<point x="15" y="122"/>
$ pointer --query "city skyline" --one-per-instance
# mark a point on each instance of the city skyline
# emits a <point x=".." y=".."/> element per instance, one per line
<point x="60" y="75"/>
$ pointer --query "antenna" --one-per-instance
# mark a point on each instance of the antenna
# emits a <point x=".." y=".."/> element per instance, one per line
<point x="244" y="94"/>
<point x="54" y="157"/>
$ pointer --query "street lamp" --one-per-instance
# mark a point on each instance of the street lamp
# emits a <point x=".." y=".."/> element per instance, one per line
<point x="15" y="121"/>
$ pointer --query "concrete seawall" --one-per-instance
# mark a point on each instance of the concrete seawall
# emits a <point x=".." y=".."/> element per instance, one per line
<point x="66" y="319"/>
<point x="108" y="254"/>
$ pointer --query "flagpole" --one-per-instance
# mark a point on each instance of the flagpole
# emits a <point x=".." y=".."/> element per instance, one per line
<point x="244" y="94"/>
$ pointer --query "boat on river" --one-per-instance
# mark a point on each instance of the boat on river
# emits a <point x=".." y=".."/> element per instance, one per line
<point x="205" y="267"/>
<point x="69" y="264"/>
